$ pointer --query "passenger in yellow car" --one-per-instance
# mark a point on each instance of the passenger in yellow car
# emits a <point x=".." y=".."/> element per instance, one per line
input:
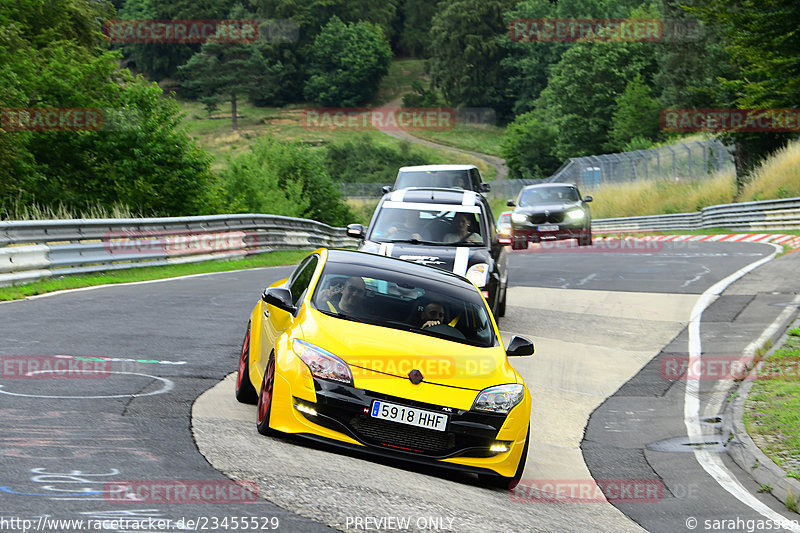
<point x="350" y="299"/>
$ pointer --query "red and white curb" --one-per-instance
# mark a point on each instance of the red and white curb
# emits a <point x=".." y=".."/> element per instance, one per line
<point x="793" y="241"/>
<point x="625" y="242"/>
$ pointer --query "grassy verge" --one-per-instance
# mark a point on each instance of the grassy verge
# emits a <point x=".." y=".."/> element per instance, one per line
<point x="397" y="82"/>
<point x="277" y="258"/>
<point x="483" y="139"/>
<point x="662" y="197"/>
<point x="772" y="411"/>
<point x="777" y="177"/>
<point x="216" y="136"/>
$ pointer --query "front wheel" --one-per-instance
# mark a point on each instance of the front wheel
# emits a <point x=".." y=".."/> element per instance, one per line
<point x="245" y="392"/>
<point x="501" y="307"/>
<point x="585" y="239"/>
<point x="502" y="482"/>
<point x="265" y="398"/>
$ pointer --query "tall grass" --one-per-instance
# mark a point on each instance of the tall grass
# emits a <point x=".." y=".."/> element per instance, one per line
<point x="18" y="211"/>
<point x="778" y="176"/>
<point x="663" y="196"/>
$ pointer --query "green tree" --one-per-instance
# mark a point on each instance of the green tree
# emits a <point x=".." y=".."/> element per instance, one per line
<point x="311" y="16"/>
<point x="141" y="157"/>
<point x="583" y="90"/>
<point x="466" y="53"/>
<point x="637" y="115"/>
<point x="161" y="60"/>
<point x="415" y="23"/>
<point x="346" y="64"/>
<point x="226" y="70"/>
<point x="762" y="40"/>
<point x="528" y="146"/>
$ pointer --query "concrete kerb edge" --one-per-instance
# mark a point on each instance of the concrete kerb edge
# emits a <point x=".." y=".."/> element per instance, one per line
<point x="741" y="447"/>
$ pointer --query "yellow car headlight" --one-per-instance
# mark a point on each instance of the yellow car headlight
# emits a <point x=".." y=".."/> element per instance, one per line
<point x="322" y="363"/>
<point x="478" y="274"/>
<point x="500" y="398"/>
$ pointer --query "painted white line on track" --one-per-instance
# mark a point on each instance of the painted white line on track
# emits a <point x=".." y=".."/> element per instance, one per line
<point x="128" y="283"/>
<point x="712" y="463"/>
<point x="167" y="386"/>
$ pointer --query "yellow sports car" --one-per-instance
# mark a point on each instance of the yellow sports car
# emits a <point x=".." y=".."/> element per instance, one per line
<point x="388" y="357"/>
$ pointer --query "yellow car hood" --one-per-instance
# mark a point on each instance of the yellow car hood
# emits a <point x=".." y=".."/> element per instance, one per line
<point x="379" y="356"/>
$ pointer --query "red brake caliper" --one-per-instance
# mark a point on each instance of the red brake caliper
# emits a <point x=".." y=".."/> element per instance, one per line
<point x="265" y="397"/>
<point x="245" y="349"/>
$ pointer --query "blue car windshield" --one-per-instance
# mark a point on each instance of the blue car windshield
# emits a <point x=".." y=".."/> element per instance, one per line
<point x="448" y="309"/>
<point x="544" y="195"/>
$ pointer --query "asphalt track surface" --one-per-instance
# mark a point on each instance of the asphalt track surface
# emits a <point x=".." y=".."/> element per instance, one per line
<point x="598" y="320"/>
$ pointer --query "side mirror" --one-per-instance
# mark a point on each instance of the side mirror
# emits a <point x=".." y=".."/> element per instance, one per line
<point x="484" y="187"/>
<point x="587" y="198"/>
<point x="386" y="189"/>
<point x="280" y="298"/>
<point x="511" y="203"/>
<point x="355" y="230"/>
<point x="519" y="346"/>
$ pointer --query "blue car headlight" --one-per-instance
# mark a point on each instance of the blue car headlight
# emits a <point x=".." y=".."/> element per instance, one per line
<point x="575" y="214"/>
<point x="519" y="218"/>
<point x="322" y="363"/>
<point x="500" y="398"/>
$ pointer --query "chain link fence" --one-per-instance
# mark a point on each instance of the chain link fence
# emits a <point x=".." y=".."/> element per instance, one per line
<point x="682" y="161"/>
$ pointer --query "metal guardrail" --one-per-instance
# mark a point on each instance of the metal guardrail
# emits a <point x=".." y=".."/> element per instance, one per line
<point x="756" y="216"/>
<point x="32" y="250"/>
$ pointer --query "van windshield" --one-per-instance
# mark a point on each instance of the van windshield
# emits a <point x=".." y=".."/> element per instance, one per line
<point x="434" y="178"/>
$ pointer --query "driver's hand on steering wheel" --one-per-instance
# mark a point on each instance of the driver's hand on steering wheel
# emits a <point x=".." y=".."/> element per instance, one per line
<point x="430" y="323"/>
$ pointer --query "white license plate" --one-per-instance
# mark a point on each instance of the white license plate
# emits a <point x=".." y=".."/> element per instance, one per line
<point x="547" y="228"/>
<point x="408" y="415"/>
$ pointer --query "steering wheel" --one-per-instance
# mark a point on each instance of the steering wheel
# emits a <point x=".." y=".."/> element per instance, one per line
<point x="465" y="237"/>
<point x="444" y="329"/>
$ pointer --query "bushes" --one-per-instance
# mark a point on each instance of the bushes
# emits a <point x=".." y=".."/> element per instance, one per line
<point x="362" y="160"/>
<point x="347" y="62"/>
<point x="282" y="179"/>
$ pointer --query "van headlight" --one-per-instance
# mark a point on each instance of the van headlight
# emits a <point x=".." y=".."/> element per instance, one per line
<point x="478" y="274"/>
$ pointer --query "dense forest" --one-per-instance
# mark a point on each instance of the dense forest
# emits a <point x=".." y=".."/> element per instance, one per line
<point x="557" y="99"/>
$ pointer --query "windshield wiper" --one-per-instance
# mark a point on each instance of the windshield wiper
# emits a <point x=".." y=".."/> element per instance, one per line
<point x="343" y="316"/>
<point x="413" y="241"/>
